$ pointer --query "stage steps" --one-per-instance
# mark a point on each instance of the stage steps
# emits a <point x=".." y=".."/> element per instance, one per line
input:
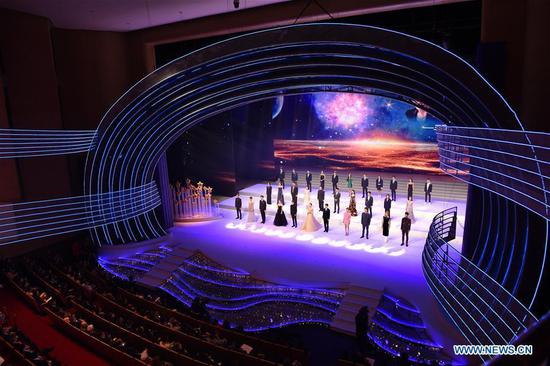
<point x="163" y="269"/>
<point x="355" y="298"/>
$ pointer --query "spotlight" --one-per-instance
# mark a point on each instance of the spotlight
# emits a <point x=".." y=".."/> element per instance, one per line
<point x="236" y="3"/>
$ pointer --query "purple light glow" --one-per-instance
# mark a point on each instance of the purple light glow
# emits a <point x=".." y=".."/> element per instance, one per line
<point x="283" y="294"/>
<point x="342" y="110"/>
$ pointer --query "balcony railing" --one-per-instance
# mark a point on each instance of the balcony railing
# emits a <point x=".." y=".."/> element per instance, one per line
<point x="484" y="311"/>
<point x="512" y="163"/>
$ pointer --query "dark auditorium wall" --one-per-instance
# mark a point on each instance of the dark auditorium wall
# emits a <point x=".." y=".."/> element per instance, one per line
<point x="92" y="71"/>
<point x="30" y="86"/>
<point x="9" y="183"/>
<point x="30" y="99"/>
<point x="523" y="31"/>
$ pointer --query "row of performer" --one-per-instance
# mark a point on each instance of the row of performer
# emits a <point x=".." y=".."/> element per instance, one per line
<point x="311" y="224"/>
<point x="379" y="184"/>
<point x="321" y="198"/>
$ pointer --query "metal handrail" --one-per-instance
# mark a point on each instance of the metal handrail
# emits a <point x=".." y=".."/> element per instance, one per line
<point x="483" y="310"/>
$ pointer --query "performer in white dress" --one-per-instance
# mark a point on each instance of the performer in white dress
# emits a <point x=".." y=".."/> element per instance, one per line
<point x="409" y="209"/>
<point x="307" y="199"/>
<point x="251" y="216"/>
<point x="310" y="223"/>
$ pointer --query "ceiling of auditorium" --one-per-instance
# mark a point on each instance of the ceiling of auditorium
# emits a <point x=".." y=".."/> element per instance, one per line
<point x="125" y="15"/>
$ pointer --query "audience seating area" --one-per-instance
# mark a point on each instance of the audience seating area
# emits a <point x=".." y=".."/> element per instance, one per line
<point x="127" y="327"/>
<point x="129" y="324"/>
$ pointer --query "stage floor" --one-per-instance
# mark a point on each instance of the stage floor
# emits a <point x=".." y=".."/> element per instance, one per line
<point x="290" y="256"/>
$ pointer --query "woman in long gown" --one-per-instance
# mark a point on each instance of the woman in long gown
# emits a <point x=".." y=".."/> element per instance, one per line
<point x="322" y="179"/>
<point x="268" y="190"/>
<point x="280" y="195"/>
<point x="352" y="204"/>
<point x="251" y="216"/>
<point x="307" y="198"/>
<point x="280" y="218"/>
<point x="386" y="226"/>
<point x="409" y="209"/>
<point x="348" y="179"/>
<point x="310" y="224"/>
<point x="410" y="189"/>
<point x="347" y="220"/>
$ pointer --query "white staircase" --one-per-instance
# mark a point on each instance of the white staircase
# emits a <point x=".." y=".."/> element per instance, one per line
<point x="355" y="298"/>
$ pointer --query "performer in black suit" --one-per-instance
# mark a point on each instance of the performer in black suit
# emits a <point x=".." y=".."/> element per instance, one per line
<point x="294" y="176"/>
<point x="326" y="217"/>
<point x="410" y="189"/>
<point x="322" y="179"/>
<point x="334" y="182"/>
<point x="321" y="198"/>
<point x="337" y="200"/>
<point x="369" y="201"/>
<point x="428" y="191"/>
<point x="293" y="213"/>
<point x="282" y="177"/>
<point x="366" y="216"/>
<point x="294" y="192"/>
<point x="405" y="228"/>
<point x="387" y="204"/>
<point x="238" y="206"/>
<point x="309" y="177"/>
<point x="365" y="184"/>
<point x="268" y="190"/>
<point x="393" y="188"/>
<point x="263" y="207"/>
<point x="379" y="184"/>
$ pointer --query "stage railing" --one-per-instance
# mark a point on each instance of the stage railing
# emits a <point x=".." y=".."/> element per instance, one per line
<point x="484" y="311"/>
<point x="512" y="163"/>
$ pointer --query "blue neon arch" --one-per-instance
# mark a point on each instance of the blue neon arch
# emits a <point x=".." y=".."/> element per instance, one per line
<point x="141" y="125"/>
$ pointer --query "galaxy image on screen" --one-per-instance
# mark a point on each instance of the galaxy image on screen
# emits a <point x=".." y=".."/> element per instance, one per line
<point x="354" y="131"/>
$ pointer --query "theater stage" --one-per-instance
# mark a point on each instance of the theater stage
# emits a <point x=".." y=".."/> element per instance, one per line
<point x="287" y="255"/>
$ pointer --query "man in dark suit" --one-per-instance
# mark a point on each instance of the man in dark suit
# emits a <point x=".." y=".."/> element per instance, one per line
<point x="321" y="198"/>
<point x="405" y="228"/>
<point x="326" y="217"/>
<point x="293" y="213"/>
<point x="294" y="176"/>
<point x="387" y="204"/>
<point x="365" y="184"/>
<point x="334" y="182"/>
<point x="337" y="200"/>
<point x="263" y="207"/>
<point x="238" y="206"/>
<point x="309" y="178"/>
<point x="294" y="192"/>
<point x="369" y="201"/>
<point x="428" y="191"/>
<point x="379" y="184"/>
<point x="282" y="177"/>
<point x="366" y="216"/>
<point x="393" y="188"/>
